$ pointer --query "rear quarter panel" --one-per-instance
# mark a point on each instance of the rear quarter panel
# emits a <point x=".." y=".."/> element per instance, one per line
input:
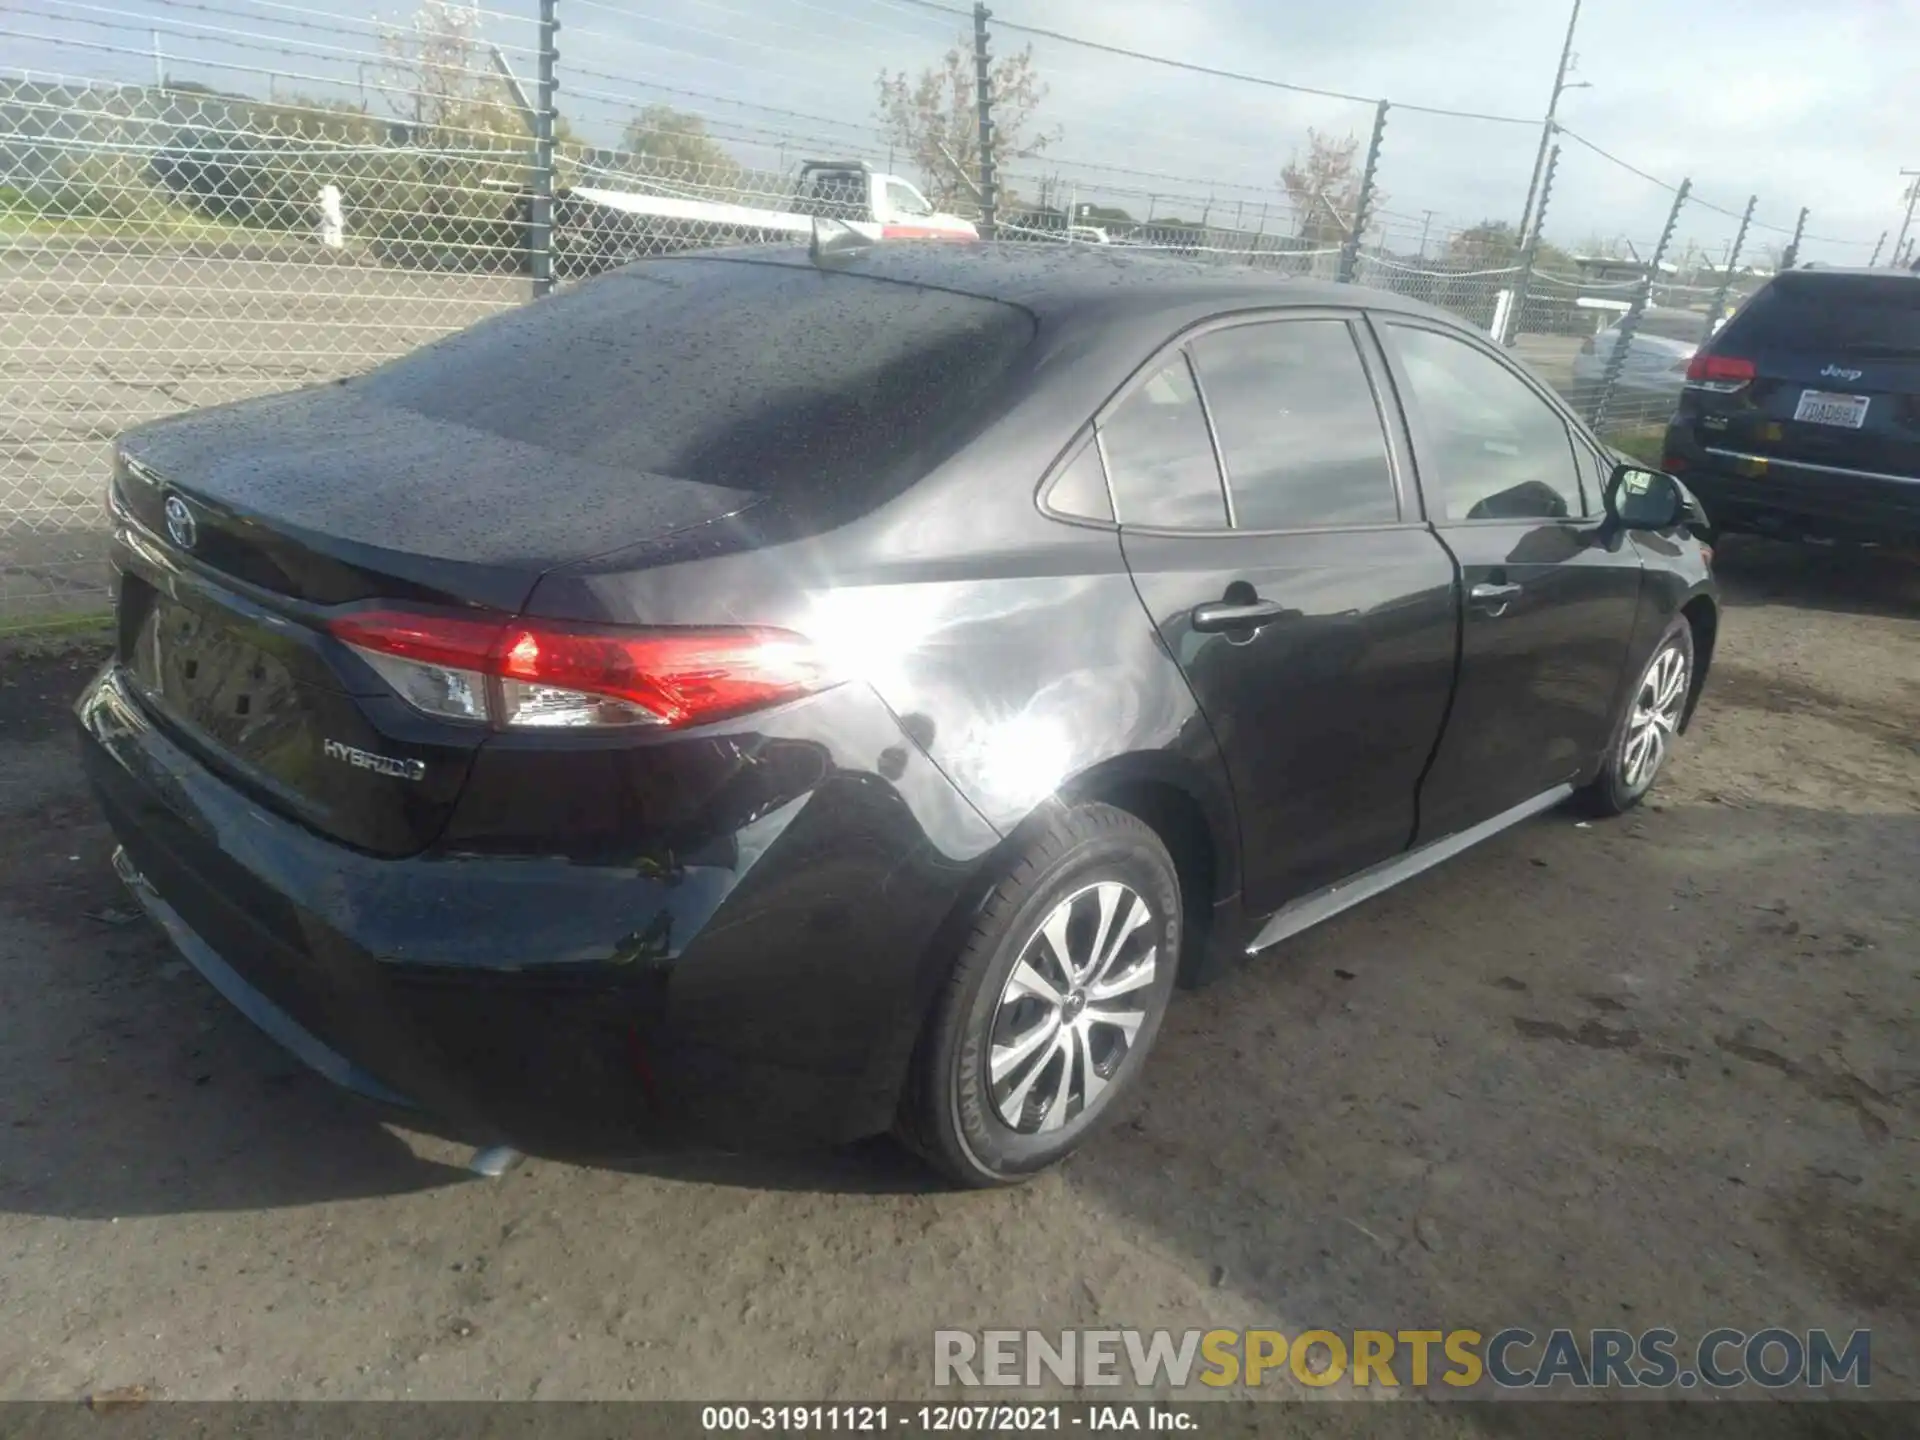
<point x="1011" y="646"/>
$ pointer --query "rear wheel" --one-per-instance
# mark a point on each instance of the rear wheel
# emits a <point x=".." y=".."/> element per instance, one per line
<point x="1053" y="1003"/>
<point x="1644" y="736"/>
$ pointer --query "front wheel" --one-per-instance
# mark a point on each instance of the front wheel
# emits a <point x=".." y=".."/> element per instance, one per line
<point x="1644" y="735"/>
<point x="1053" y="1003"/>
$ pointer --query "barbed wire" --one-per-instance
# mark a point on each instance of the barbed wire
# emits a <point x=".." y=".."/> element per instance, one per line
<point x="249" y="40"/>
<point x="1694" y="197"/>
<point x="104" y="47"/>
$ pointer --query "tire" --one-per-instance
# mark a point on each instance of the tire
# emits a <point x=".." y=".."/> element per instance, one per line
<point x="1657" y="703"/>
<point x="1077" y="1064"/>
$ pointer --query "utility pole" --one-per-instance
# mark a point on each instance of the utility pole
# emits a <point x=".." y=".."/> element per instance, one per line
<point x="159" y="64"/>
<point x="1426" y="223"/>
<point x="1913" y="193"/>
<point x="1878" y="246"/>
<point x="1547" y="128"/>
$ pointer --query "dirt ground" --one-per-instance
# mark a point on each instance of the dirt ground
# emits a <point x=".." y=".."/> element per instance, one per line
<point x="1662" y="1070"/>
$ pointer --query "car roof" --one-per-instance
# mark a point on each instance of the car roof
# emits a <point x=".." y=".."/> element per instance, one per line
<point x="1802" y="272"/>
<point x="1056" y="281"/>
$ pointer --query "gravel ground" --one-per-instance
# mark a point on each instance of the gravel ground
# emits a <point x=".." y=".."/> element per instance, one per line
<point x="1661" y="1070"/>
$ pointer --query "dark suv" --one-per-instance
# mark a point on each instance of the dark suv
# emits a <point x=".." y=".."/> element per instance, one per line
<point x="1802" y="416"/>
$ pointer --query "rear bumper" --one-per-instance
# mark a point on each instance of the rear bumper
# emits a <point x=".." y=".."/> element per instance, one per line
<point x="774" y="999"/>
<point x="1748" y="493"/>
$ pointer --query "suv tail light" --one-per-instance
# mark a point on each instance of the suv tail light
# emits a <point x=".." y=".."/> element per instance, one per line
<point x="1722" y="374"/>
<point x="528" y="673"/>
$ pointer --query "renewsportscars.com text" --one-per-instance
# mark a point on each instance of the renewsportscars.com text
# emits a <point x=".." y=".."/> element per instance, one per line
<point x="1510" y="1359"/>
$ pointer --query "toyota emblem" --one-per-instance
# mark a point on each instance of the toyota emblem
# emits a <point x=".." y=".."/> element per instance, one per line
<point x="180" y="523"/>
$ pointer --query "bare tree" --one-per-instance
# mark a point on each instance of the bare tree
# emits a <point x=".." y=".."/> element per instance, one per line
<point x="1324" y="188"/>
<point x="936" y="116"/>
<point x="437" y="70"/>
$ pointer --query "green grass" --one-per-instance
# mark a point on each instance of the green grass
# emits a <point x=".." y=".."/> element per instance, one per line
<point x="56" y="634"/>
<point x="1645" y="443"/>
<point x="37" y="225"/>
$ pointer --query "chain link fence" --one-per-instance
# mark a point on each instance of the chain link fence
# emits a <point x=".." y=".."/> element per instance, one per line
<point x="212" y="199"/>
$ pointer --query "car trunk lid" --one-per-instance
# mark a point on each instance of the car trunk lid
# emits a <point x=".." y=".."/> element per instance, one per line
<point x="330" y="496"/>
<point x="245" y="528"/>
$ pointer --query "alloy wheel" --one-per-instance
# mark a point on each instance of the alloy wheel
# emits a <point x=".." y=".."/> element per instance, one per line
<point x="1655" y="719"/>
<point x="1071" y="1007"/>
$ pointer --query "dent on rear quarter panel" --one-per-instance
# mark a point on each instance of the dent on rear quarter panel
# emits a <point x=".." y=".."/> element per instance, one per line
<point x="1011" y="647"/>
<point x="1016" y="668"/>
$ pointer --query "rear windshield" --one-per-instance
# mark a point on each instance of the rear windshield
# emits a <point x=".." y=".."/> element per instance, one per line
<point x="1861" y="314"/>
<point x="823" y="389"/>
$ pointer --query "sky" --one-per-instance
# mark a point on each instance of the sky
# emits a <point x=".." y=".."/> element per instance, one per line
<point x="1801" y="104"/>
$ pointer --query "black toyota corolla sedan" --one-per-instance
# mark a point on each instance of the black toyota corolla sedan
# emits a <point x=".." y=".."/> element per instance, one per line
<point x="786" y="697"/>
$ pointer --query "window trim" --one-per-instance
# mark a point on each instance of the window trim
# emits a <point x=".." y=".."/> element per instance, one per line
<point x="1213" y="436"/>
<point x="1104" y="415"/>
<point x="1577" y="432"/>
<point x="1407" y="498"/>
<point x="1085" y="438"/>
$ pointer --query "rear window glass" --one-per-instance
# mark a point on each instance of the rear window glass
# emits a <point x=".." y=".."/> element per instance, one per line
<point x="1865" y="314"/>
<point x="823" y="389"/>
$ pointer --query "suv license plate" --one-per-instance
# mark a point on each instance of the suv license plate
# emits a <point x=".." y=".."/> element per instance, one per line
<point x="1822" y="407"/>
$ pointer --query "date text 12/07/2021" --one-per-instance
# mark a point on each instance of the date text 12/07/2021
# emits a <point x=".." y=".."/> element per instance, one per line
<point x="949" y="1419"/>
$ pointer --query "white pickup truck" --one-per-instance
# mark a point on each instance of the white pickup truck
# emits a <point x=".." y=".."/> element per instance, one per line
<point x="596" y="229"/>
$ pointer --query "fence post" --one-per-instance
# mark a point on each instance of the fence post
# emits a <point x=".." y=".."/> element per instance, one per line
<point x="1350" y="249"/>
<point x="1792" y="257"/>
<point x="983" y="102"/>
<point x="1630" y="322"/>
<point x="1719" y="305"/>
<point x="1529" y="251"/>
<point x="540" y="208"/>
<point x="1900" y="240"/>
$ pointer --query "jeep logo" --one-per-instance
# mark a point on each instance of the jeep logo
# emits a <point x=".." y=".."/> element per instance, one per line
<point x="1834" y="372"/>
<point x="379" y="764"/>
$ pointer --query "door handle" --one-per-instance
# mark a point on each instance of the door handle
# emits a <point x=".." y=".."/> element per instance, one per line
<point x="1484" y="591"/>
<point x="1234" y="615"/>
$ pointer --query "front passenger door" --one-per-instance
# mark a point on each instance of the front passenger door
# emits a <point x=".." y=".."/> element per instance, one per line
<point x="1550" y="590"/>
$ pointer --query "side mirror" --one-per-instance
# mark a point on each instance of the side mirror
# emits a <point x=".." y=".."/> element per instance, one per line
<point x="1642" y="499"/>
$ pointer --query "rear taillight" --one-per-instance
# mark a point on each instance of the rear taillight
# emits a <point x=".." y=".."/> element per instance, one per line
<point x="1722" y="374"/>
<point x="534" y="674"/>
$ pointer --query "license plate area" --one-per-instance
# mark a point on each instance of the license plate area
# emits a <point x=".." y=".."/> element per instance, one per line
<point x="1824" y="407"/>
<point x="204" y="670"/>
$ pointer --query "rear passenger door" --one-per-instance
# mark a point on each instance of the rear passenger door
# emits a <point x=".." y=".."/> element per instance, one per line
<point x="1551" y="589"/>
<point x="1288" y="572"/>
